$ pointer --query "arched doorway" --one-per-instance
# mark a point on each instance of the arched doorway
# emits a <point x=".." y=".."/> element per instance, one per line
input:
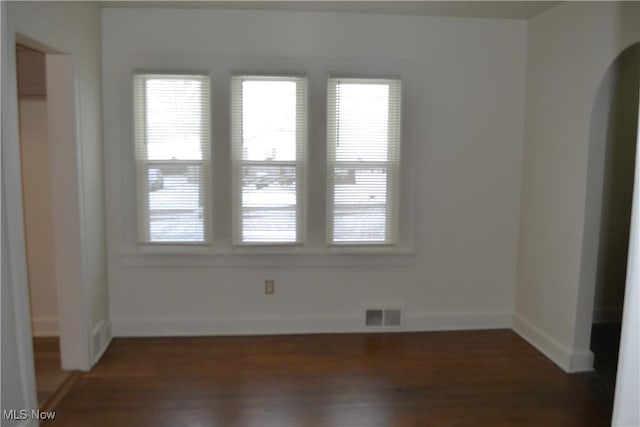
<point x="612" y="147"/>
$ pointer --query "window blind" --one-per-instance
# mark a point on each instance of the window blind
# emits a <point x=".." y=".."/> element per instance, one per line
<point x="172" y="157"/>
<point x="268" y="139"/>
<point x="363" y="154"/>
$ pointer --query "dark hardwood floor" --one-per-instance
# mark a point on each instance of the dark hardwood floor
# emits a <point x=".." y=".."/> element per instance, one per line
<point x="470" y="378"/>
<point x="49" y="374"/>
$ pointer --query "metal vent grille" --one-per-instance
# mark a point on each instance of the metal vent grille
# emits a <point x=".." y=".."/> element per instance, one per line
<point x="374" y="317"/>
<point x="388" y="317"/>
<point x="392" y="317"/>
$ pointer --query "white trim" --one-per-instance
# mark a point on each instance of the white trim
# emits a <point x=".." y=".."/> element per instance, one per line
<point x="581" y="361"/>
<point x="101" y="335"/>
<point x="68" y="233"/>
<point x="258" y="259"/>
<point x="568" y="360"/>
<point x="34" y="29"/>
<point x="456" y="321"/>
<point x="45" y="327"/>
<point x="12" y="215"/>
<point x="559" y="354"/>
<point x="416" y="322"/>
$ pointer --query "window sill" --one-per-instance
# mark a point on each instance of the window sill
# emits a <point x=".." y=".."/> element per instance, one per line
<point x="269" y="257"/>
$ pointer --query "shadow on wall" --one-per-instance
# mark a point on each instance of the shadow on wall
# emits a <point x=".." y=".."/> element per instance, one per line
<point x="612" y="149"/>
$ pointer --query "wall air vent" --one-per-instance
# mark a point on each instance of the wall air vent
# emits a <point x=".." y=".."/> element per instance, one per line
<point x="383" y="317"/>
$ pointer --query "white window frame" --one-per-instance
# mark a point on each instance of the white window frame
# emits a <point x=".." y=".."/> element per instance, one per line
<point x="221" y="249"/>
<point x="142" y="163"/>
<point x="394" y="162"/>
<point x="238" y="162"/>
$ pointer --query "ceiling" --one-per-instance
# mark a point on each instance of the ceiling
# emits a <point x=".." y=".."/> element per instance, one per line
<point x="476" y="9"/>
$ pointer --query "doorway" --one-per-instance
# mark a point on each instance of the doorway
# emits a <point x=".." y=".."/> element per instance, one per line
<point x="612" y="162"/>
<point x="37" y="198"/>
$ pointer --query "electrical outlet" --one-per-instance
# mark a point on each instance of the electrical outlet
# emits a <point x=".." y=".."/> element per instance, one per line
<point x="269" y="287"/>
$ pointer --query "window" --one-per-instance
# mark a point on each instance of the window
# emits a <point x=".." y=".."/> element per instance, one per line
<point x="268" y="138"/>
<point x="172" y="157"/>
<point x="268" y="176"/>
<point x="363" y="152"/>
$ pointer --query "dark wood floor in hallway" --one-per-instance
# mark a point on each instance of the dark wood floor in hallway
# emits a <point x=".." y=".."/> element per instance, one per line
<point x="470" y="378"/>
<point x="49" y="374"/>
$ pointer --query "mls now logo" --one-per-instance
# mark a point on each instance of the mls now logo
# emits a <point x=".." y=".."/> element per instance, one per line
<point x="24" y="414"/>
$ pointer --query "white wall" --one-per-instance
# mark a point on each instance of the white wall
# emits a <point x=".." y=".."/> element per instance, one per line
<point x="569" y="50"/>
<point x="465" y="78"/>
<point x="36" y="184"/>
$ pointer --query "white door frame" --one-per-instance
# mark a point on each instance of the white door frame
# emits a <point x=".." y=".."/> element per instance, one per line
<point x="73" y="298"/>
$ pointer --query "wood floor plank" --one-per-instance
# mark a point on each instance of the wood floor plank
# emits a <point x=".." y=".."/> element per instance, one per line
<point x="50" y="376"/>
<point x="475" y="378"/>
<point x="52" y="400"/>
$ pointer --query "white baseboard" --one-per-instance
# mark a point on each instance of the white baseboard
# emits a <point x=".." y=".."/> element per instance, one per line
<point x="100" y="339"/>
<point x="570" y="361"/>
<point x="581" y="361"/>
<point x="45" y="327"/>
<point x="302" y="325"/>
<point x="232" y="326"/>
<point x="457" y="321"/>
